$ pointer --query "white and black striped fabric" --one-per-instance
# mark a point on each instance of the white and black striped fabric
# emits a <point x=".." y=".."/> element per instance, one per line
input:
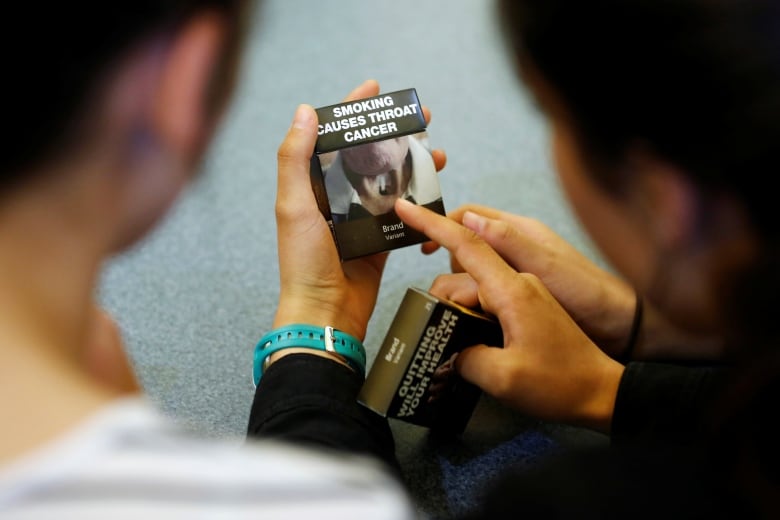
<point x="129" y="461"/>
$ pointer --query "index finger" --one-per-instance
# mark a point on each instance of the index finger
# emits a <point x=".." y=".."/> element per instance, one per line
<point x="474" y="254"/>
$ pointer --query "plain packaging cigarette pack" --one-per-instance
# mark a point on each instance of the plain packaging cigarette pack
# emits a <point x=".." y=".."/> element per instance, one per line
<point x="413" y="378"/>
<point x="369" y="153"/>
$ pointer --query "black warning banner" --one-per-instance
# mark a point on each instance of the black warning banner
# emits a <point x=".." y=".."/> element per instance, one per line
<point x="372" y="119"/>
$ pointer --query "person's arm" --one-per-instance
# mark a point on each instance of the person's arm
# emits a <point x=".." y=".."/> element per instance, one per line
<point x="660" y="340"/>
<point x="547" y="367"/>
<point x="658" y="402"/>
<point x="600" y="302"/>
<point x="312" y="400"/>
<point x="659" y="423"/>
<point x="306" y="395"/>
<point x="311" y="396"/>
<point x="606" y="482"/>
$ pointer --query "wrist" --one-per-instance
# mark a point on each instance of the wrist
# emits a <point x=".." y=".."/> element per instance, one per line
<point x="315" y="312"/>
<point x="632" y="338"/>
<point x="662" y="339"/>
<point x="276" y="356"/>
<point x="601" y="407"/>
<point x="337" y="344"/>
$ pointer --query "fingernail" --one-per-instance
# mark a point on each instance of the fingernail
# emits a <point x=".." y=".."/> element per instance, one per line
<point x="474" y="222"/>
<point x="303" y="116"/>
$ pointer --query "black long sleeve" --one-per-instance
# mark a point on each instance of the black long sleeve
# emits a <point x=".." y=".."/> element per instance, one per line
<point x="312" y="400"/>
<point x="658" y="402"/>
<point x="659" y="464"/>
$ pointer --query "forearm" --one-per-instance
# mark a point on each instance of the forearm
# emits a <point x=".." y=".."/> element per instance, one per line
<point x="664" y="403"/>
<point x="313" y="400"/>
<point x="660" y="340"/>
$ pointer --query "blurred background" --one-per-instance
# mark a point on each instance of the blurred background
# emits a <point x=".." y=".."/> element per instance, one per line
<point x="194" y="298"/>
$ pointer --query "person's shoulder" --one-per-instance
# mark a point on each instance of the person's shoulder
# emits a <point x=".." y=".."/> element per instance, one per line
<point x="131" y="453"/>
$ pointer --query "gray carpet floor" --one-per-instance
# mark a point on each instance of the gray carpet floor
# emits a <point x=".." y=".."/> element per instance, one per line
<point x="195" y="296"/>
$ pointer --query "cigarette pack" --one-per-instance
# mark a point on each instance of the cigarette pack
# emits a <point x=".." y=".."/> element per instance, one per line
<point x="413" y="378"/>
<point x="369" y="153"/>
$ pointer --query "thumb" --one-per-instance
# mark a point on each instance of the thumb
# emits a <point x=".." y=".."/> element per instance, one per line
<point x="294" y="159"/>
<point x="478" y="365"/>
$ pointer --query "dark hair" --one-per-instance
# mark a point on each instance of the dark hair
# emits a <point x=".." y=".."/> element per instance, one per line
<point x="55" y="55"/>
<point x="697" y="81"/>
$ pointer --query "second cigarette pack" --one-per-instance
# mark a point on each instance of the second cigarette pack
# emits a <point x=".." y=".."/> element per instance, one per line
<point x="413" y="377"/>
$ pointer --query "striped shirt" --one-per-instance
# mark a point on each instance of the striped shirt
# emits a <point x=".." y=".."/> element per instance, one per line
<point x="129" y="461"/>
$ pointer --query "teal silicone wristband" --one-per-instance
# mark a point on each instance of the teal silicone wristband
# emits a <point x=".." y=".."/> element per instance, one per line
<point x="309" y="336"/>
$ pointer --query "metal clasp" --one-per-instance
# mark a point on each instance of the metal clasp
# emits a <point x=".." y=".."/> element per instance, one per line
<point x="330" y="338"/>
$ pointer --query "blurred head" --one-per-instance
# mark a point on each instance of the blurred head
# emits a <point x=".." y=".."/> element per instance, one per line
<point x="665" y="116"/>
<point x="131" y="88"/>
<point x="372" y="159"/>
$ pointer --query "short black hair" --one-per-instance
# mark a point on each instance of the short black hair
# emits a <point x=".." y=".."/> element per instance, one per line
<point x="54" y="57"/>
<point x="697" y="81"/>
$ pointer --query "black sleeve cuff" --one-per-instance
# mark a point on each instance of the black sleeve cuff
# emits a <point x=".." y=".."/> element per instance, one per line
<point x="663" y="402"/>
<point x="313" y="400"/>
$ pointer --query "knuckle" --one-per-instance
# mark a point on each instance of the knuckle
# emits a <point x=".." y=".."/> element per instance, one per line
<point x="284" y="209"/>
<point x="285" y="152"/>
<point x="501" y="230"/>
<point x="470" y="242"/>
<point x="439" y="282"/>
<point x="285" y="212"/>
<point x="529" y="281"/>
<point x="527" y="287"/>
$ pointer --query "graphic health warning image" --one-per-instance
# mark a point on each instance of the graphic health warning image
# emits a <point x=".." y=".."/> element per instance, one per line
<point x="368" y="154"/>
